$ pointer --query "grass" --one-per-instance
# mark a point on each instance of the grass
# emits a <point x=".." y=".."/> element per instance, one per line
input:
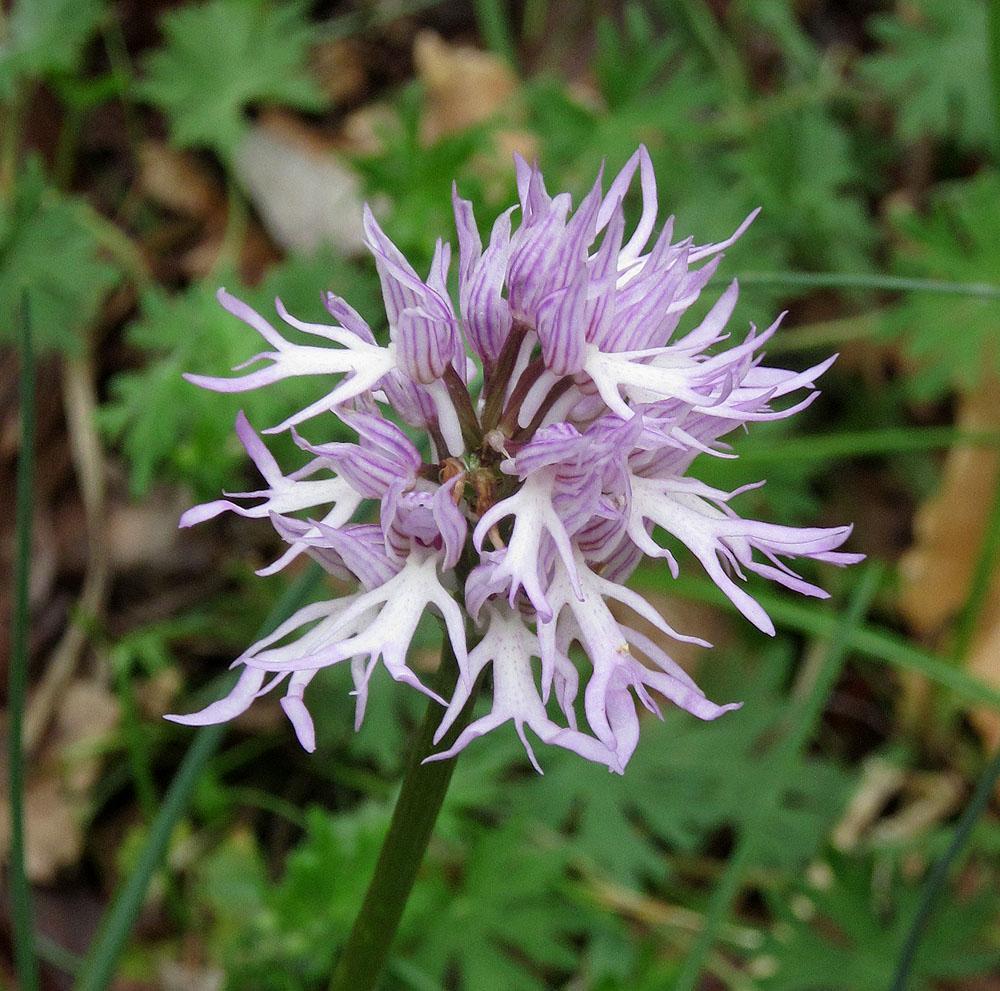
<point x="25" y="961"/>
<point x="802" y="723"/>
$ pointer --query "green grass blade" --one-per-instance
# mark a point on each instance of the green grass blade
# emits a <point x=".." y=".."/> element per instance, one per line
<point x="994" y="49"/>
<point x="938" y="874"/>
<point x="864" y="280"/>
<point x="25" y="962"/>
<point x="56" y="955"/>
<point x="494" y="25"/>
<point x="979" y="585"/>
<point x="875" y="644"/>
<point x="802" y="724"/>
<point x="102" y="958"/>
<point x="860" y="443"/>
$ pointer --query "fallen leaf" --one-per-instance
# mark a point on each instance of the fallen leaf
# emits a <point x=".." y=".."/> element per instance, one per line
<point x="338" y="66"/>
<point x="57" y="792"/>
<point x="937" y="571"/>
<point x="920" y="800"/>
<point x="146" y="533"/>
<point x="949" y="527"/>
<point x="465" y="87"/>
<point x="362" y="130"/>
<point x="177" y="976"/>
<point x="984" y="663"/>
<point x="178" y="181"/>
<point x="306" y="195"/>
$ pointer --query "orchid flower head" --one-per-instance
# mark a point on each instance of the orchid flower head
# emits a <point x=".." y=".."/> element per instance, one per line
<point x="518" y="453"/>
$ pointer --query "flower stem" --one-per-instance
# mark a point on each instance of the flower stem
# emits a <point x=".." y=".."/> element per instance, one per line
<point x="420" y="799"/>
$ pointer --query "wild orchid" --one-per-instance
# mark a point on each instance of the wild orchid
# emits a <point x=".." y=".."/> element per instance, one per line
<point x="552" y="421"/>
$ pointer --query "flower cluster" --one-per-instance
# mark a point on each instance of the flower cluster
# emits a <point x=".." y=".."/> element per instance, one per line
<point x="558" y="411"/>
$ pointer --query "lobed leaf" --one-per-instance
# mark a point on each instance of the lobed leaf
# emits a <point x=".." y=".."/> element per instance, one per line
<point x="221" y="56"/>
<point x="953" y="339"/>
<point x="45" y="38"/>
<point x="46" y="249"/>
<point x="935" y="69"/>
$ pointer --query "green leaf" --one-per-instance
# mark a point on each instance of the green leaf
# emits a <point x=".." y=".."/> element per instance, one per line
<point x="664" y="114"/>
<point x="507" y="910"/>
<point x="46" y="248"/>
<point x="284" y="937"/>
<point x="168" y="426"/>
<point x="686" y="780"/>
<point x="954" y="339"/>
<point x="800" y="168"/>
<point x="935" y="70"/>
<point x="44" y="38"/>
<point x="853" y="925"/>
<point x="630" y="60"/>
<point x="782" y="24"/>
<point x="416" y="177"/>
<point x="221" y="56"/>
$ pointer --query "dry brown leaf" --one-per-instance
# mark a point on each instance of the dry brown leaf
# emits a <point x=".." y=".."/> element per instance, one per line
<point x="177" y="976"/>
<point x="950" y="527"/>
<point x="466" y="86"/>
<point x="176" y="180"/>
<point x="362" y="131"/>
<point x="984" y="663"/>
<point x="60" y="779"/>
<point x="146" y="534"/>
<point x="924" y="799"/>
<point x="338" y="66"/>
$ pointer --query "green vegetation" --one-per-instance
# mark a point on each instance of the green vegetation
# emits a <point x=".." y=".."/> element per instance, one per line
<point x="872" y="144"/>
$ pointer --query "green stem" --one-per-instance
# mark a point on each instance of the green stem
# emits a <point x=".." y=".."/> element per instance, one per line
<point x="863" y="443"/>
<point x="494" y="25"/>
<point x="829" y="333"/>
<point x="20" y="892"/>
<point x="803" y="721"/>
<point x="10" y="142"/>
<point x="420" y="799"/>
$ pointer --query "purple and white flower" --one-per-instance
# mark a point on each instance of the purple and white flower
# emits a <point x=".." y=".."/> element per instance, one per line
<point x="541" y="492"/>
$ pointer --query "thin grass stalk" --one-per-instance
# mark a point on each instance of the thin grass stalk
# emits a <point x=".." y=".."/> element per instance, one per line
<point x="493" y="20"/>
<point x="862" y="443"/>
<point x="938" y="875"/>
<point x="25" y="962"/>
<point x="875" y="644"/>
<point x="801" y="726"/>
<point x="865" y="280"/>
<point x="102" y="958"/>
<point x="979" y="585"/>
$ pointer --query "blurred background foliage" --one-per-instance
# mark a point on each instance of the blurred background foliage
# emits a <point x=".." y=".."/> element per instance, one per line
<point x="150" y="152"/>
